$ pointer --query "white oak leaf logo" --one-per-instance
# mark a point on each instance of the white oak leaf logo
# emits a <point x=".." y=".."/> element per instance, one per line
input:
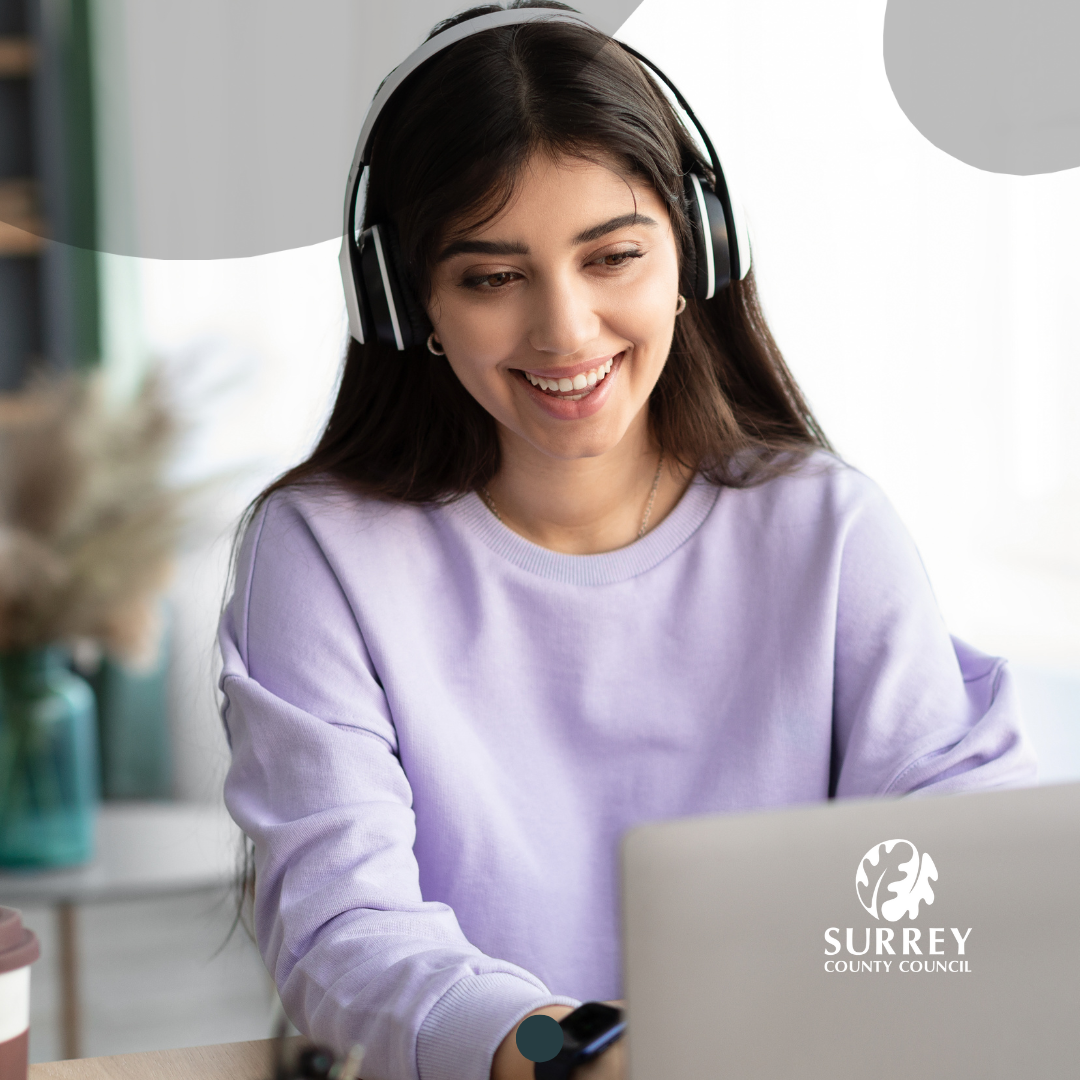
<point x="894" y="866"/>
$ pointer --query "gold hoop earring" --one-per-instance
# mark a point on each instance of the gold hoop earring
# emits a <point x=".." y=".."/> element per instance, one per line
<point x="680" y="307"/>
<point x="431" y="343"/>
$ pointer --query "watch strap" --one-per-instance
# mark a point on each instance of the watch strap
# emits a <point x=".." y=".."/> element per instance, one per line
<point x="557" y="1068"/>
<point x="584" y="1040"/>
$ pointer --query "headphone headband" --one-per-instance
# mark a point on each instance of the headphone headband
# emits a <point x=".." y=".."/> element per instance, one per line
<point x="436" y="45"/>
<point x="729" y="234"/>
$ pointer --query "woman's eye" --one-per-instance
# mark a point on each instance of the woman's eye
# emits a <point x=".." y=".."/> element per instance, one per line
<point x="492" y="281"/>
<point x="619" y="258"/>
<point x="489" y="282"/>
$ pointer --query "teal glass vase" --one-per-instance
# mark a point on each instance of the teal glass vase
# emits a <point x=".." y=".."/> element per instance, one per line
<point x="48" y="761"/>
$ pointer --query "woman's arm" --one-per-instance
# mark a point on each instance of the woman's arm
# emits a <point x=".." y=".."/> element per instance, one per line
<point x="914" y="709"/>
<point x="315" y="781"/>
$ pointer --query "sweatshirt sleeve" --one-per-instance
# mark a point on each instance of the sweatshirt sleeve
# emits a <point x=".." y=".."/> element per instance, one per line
<point x="315" y="781"/>
<point x="914" y="708"/>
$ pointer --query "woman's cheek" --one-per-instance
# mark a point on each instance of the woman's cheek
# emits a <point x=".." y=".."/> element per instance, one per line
<point x="644" y="311"/>
<point x="645" y="318"/>
<point x="475" y="348"/>
<point x="485" y="335"/>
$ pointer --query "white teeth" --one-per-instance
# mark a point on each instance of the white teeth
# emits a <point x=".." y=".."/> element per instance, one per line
<point x="580" y="381"/>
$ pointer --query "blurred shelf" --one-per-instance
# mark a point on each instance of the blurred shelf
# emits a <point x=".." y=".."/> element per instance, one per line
<point x="50" y="300"/>
<point x="17" y="57"/>
<point x="15" y="241"/>
<point x="20" y="225"/>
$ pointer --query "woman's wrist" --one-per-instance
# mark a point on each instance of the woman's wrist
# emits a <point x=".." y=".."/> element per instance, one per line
<point x="509" y="1063"/>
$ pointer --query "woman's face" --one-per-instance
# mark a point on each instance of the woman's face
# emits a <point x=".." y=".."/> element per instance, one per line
<point x="557" y="315"/>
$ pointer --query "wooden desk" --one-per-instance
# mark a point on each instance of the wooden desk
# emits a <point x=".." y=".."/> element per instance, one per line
<point x="229" y="1061"/>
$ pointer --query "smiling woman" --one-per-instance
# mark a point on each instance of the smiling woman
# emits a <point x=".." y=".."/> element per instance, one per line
<point x="558" y="318"/>
<point x="482" y="150"/>
<point x="581" y="561"/>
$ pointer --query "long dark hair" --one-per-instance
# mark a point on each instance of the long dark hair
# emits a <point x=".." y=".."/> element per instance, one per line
<point x="446" y="158"/>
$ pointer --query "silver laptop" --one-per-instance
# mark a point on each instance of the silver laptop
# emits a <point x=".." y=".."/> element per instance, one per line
<point x="926" y="937"/>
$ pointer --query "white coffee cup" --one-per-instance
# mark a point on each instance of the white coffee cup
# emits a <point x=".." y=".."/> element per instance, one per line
<point x="18" y="950"/>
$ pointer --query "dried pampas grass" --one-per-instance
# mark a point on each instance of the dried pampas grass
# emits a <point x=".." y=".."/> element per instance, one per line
<point x="88" y="520"/>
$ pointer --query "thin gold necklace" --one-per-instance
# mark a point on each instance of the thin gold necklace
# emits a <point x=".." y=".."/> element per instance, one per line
<point x="648" y="506"/>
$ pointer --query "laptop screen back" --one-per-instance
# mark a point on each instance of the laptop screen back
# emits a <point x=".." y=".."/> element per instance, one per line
<point x="933" y="937"/>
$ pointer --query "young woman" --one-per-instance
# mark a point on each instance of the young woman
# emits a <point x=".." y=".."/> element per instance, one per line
<point x="584" y="560"/>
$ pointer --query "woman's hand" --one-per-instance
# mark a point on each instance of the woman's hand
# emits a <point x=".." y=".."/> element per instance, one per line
<point x="510" y="1064"/>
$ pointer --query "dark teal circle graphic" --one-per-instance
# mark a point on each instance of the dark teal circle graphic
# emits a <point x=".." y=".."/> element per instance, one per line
<point x="539" y="1038"/>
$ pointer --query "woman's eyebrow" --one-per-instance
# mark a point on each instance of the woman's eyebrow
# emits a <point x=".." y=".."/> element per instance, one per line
<point x="515" y="247"/>
<point x="482" y="247"/>
<point x="596" y="231"/>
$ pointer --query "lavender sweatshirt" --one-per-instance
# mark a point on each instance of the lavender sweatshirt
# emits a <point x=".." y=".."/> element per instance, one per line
<point x="440" y="731"/>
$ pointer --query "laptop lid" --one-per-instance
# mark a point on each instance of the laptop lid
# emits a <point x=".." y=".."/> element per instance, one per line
<point x="930" y="937"/>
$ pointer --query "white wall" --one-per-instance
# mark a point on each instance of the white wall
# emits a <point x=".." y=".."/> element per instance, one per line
<point x="926" y="308"/>
<point x="257" y="343"/>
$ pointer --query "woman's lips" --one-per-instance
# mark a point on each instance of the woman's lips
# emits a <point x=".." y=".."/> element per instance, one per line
<point x="576" y="402"/>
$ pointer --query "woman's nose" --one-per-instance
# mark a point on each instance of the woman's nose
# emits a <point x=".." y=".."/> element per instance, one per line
<point x="563" y="320"/>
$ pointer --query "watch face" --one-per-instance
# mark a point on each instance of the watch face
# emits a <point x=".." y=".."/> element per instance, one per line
<point x="583" y="1025"/>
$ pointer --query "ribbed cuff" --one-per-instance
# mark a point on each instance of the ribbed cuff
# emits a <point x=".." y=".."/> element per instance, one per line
<point x="465" y="1026"/>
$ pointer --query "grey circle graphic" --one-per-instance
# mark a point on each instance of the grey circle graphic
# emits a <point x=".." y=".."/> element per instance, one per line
<point x="224" y="130"/>
<point x="995" y="83"/>
<point x="539" y="1038"/>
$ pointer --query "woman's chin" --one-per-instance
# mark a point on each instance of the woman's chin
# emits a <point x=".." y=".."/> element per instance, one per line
<point x="564" y="442"/>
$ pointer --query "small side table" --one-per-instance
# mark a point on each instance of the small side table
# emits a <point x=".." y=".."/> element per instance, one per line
<point x="142" y="850"/>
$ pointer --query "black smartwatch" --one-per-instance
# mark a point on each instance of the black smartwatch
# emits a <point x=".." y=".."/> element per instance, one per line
<point x="587" y="1032"/>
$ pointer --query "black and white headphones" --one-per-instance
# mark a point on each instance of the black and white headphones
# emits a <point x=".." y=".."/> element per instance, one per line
<point x="381" y="306"/>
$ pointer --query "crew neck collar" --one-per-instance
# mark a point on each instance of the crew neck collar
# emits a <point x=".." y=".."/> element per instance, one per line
<point x="606" y="568"/>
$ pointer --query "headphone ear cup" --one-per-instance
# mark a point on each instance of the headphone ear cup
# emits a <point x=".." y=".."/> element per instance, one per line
<point x="711" y="271"/>
<point x="411" y="314"/>
<point x="396" y="314"/>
